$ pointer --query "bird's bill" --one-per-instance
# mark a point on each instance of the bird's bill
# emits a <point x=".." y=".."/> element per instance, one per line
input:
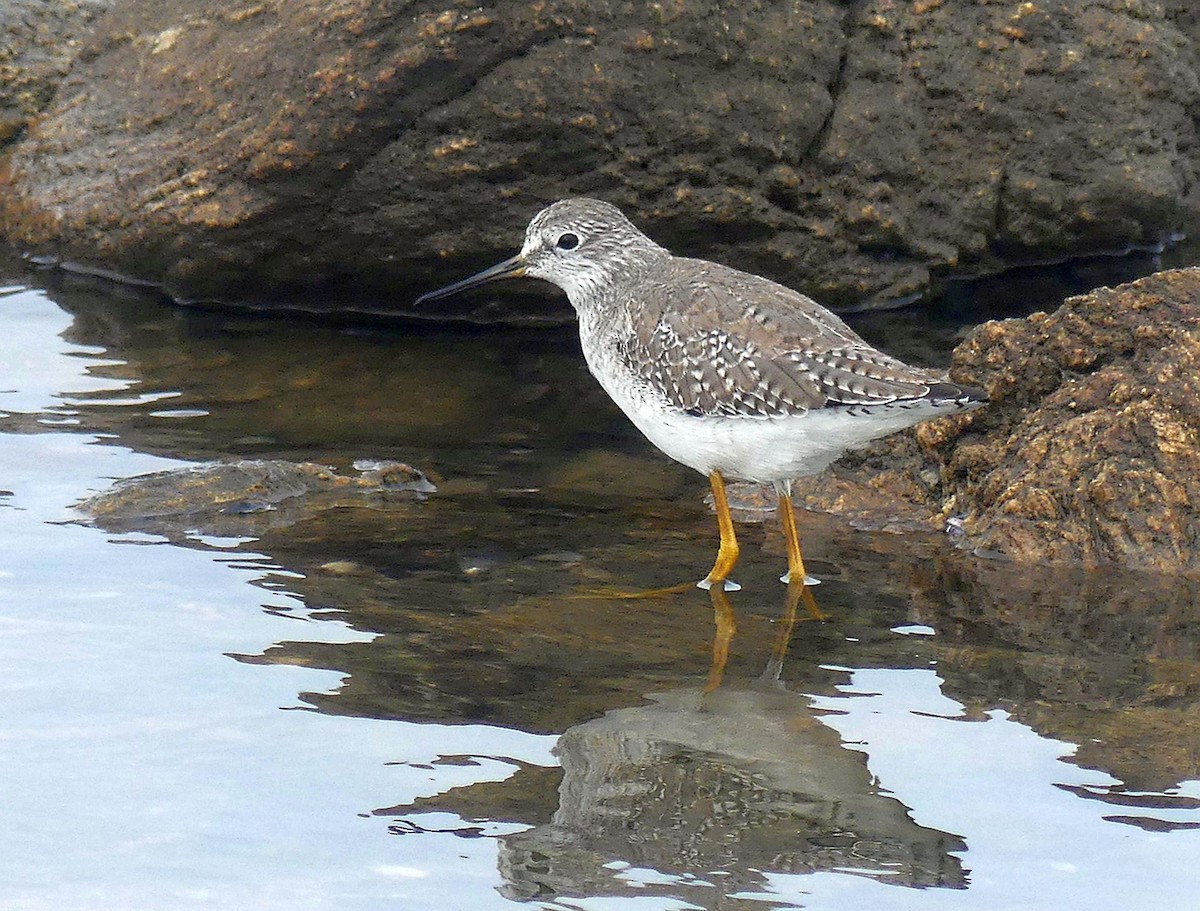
<point x="510" y="268"/>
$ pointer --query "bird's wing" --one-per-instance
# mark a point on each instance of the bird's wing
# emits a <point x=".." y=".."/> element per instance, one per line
<point x="730" y="343"/>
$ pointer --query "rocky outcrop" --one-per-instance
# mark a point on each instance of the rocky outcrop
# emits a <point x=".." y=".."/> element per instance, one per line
<point x="1089" y="451"/>
<point x="318" y="153"/>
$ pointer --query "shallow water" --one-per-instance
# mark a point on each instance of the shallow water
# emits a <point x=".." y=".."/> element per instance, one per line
<point x="428" y="704"/>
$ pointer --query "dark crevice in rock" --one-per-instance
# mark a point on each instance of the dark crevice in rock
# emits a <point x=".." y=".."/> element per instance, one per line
<point x="999" y="217"/>
<point x="834" y="88"/>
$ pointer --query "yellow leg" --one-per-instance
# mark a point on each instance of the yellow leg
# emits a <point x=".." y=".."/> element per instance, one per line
<point x="810" y="603"/>
<point x="787" y="625"/>
<point x="725" y="626"/>
<point x="727" y="553"/>
<point x="787" y="517"/>
<point x="727" y="556"/>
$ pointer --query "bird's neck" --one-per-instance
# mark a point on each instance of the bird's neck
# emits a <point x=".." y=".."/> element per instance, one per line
<point x="610" y="287"/>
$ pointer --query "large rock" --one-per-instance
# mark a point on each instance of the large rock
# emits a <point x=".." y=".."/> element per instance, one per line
<point x="1089" y="451"/>
<point x="357" y="151"/>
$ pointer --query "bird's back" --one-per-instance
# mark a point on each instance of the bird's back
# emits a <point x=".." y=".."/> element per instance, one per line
<point x="712" y="340"/>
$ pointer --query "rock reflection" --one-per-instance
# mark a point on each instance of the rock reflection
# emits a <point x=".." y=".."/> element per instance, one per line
<point x="1110" y="661"/>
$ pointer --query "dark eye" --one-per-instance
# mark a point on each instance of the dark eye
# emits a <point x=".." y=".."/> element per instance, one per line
<point x="567" y="241"/>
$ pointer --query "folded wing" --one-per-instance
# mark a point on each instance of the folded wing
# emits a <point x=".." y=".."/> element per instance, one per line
<point x="729" y="343"/>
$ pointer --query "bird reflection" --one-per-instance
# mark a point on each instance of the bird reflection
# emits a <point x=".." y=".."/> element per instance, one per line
<point x="704" y="791"/>
<point x="725" y="628"/>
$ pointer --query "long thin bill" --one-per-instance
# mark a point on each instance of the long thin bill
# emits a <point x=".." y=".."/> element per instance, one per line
<point x="510" y="268"/>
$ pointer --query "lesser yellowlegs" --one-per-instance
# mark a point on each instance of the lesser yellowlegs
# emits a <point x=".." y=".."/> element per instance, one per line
<point x="729" y="373"/>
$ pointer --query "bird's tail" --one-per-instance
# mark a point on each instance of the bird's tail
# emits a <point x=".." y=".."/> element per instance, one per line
<point x="957" y="395"/>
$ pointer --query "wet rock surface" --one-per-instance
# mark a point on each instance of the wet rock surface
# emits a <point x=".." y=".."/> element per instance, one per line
<point x="318" y="154"/>
<point x="1089" y="451"/>
<point x="234" y="498"/>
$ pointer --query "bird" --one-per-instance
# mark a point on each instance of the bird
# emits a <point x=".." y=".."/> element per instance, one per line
<point x="729" y="373"/>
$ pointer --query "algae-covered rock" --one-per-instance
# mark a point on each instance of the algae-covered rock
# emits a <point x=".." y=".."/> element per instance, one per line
<point x="1089" y="451"/>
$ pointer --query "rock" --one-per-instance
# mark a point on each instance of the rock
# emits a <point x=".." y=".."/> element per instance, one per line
<point x="1090" y="449"/>
<point x="38" y="44"/>
<point x="320" y="153"/>
<point x="234" y="498"/>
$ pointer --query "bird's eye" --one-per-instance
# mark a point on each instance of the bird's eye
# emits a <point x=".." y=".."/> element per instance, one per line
<point x="567" y="241"/>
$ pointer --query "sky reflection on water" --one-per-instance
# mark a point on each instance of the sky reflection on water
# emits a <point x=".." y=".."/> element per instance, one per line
<point x="143" y="766"/>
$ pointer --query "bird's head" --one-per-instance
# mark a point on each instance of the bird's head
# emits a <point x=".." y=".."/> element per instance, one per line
<point x="582" y="245"/>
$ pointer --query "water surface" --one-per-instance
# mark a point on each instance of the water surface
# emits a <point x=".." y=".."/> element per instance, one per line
<point x="432" y="704"/>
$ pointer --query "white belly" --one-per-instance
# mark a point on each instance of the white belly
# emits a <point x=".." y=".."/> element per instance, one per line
<point x="757" y="449"/>
<point x="770" y="449"/>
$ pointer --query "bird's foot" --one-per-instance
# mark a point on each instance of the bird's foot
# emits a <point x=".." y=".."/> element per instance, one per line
<point x="726" y="585"/>
<point x="786" y="578"/>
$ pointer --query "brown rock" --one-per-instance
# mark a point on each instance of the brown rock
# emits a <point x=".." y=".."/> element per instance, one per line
<point x="38" y="43"/>
<point x="1090" y="450"/>
<point x="1094" y="438"/>
<point x="325" y="153"/>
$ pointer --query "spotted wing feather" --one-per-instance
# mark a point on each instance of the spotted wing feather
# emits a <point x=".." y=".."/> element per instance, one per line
<point x="729" y="343"/>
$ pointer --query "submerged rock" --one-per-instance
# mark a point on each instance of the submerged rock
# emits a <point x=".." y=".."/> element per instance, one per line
<point x="1090" y="449"/>
<point x="232" y="498"/>
<point x="325" y="154"/>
